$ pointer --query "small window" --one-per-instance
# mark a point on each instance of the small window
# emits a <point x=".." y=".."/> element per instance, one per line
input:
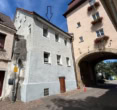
<point x="91" y="2"/>
<point x="19" y="27"/>
<point x="46" y="91"/>
<point x="59" y="59"/>
<point x="46" y="57"/>
<point x="45" y="32"/>
<point x="21" y="21"/>
<point x="25" y="19"/>
<point x="100" y="33"/>
<point x="29" y="28"/>
<point x="56" y="37"/>
<point x="96" y="16"/>
<point x="68" y="61"/>
<point x="65" y="41"/>
<point x="2" y="40"/>
<point x="81" y="39"/>
<point x="78" y="25"/>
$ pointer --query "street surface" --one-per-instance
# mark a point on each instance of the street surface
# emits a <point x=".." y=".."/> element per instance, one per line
<point x="102" y="98"/>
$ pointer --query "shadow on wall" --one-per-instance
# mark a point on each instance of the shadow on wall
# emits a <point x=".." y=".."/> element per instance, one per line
<point x="106" y="102"/>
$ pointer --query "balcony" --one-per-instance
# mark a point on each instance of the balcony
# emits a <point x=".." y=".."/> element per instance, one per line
<point x="97" y="21"/>
<point x="92" y="7"/>
<point x="101" y="39"/>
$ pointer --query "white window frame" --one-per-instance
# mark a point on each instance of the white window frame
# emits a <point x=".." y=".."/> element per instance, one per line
<point x="81" y="39"/>
<point x="44" y="28"/>
<point x="100" y="32"/>
<point x="46" y="60"/>
<point x="91" y="2"/>
<point x="65" y="42"/>
<point x="96" y="16"/>
<point x="78" y="24"/>
<point x="57" y="39"/>
<point x="68" y="61"/>
<point x="59" y="61"/>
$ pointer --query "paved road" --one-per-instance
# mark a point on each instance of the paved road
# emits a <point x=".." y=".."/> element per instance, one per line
<point x="102" y="98"/>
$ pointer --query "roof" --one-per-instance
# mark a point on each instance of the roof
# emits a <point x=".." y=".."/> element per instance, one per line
<point x="73" y="5"/>
<point x="36" y="14"/>
<point x="6" y="21"/>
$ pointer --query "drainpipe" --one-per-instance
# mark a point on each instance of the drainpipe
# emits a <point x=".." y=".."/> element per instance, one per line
<point x="74" y="58"/>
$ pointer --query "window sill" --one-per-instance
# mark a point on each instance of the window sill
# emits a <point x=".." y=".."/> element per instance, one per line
<point x="69" y="66"/>
<point x="47" y="63"/>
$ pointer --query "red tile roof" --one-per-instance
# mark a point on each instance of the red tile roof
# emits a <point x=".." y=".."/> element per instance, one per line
<point x="73" y="5"/>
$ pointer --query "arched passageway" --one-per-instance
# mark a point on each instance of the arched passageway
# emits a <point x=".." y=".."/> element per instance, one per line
<point x="87" y="65"/>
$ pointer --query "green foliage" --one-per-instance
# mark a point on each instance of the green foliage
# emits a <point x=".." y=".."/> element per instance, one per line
<point x="107" y="68"/>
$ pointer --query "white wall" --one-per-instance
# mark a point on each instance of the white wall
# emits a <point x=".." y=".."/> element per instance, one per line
<point x="39" y="75"/>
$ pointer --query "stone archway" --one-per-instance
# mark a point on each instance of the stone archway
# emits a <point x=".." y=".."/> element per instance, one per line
<point x="86" y="62"/>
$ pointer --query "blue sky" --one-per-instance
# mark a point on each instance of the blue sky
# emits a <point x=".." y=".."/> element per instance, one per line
<point x="8" y="7"/>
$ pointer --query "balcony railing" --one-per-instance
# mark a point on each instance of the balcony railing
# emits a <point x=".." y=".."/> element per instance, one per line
<point x="96" y="5"/>
<point x="97" y="21"/>
<point x="101" y="39"/>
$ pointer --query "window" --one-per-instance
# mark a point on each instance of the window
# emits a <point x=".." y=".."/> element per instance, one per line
<point x="2" y="40"/>
<point x="91" y="2"/>
<point x="25" y="19"/>
<point x="59" y="60"/>
<point x="78" y="25"/>
<point x="45" y="32"/>
<point x="21" y="21"/>
<point x="100" y="33"/>
<point x="68" y="61"/>
<point x="56" y="37"/>
<point x="96" y="16"/>
<point x="81" y="39"/>
<point x="46" y="57"/>
<point x="29" y="28"/>
<point x="46" y="91"/>
<point x="65" y="41"/>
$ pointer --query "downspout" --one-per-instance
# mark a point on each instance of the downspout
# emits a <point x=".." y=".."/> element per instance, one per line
<point x="74" y="59"/>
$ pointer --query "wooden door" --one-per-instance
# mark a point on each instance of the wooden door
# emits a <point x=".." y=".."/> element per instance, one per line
<point x="62" y="84"/>
<point x="2" y="73"/>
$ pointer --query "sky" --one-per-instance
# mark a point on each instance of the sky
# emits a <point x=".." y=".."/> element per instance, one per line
<point x="59" y="7"/>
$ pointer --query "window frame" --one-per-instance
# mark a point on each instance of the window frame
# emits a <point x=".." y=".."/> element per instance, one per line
<point x="81" y="39"/>
<point x="96" y="16"/>
<point x="60" y="60"/>
<point x="91" y="2"/>
<point x="45" y="35"/>
<point x="48" y="61"/>
<point x="100" y="32"/>
<point x="65" y="42"/>
<point x="78" y="24"/>
<point x="68" y="61"/>
<point x="57" y="39"/>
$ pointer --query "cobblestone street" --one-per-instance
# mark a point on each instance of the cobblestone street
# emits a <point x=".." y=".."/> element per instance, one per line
<point x="103" y="98"/>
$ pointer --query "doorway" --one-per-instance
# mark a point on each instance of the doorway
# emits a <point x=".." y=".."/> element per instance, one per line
<point x="2" y="74"/>
<point x="62" y="84"/>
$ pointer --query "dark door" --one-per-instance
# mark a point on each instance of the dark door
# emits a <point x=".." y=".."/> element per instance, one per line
<point x="62" y="84"/>
<point x="2" y="73"/>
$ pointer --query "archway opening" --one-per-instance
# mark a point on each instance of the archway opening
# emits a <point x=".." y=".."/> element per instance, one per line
<point x="88" y="64"/>
<point x="106" y="70"/>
